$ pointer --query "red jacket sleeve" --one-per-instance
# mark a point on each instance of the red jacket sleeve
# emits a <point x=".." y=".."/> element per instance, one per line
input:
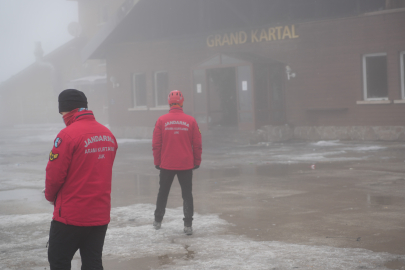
<point x="197" y="144"/>
<point x="59" y="162"/>
<point x="157" y="143"/>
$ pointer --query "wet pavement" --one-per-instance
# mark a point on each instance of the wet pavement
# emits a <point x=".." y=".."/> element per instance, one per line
<point x="296" y="205"/>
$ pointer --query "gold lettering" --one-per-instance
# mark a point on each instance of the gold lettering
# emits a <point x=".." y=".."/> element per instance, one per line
<point x="234" y="38"/>
<point x="272" y="32"/>
<point x="283" y="32"/>
<point x="279" y="31"/>
<point x="242" y="37"/>
<point x="286" y="32"/>
<point x="263" y="35"/>
<point x="254" y="36"/>
<point x="210" y="41"/>
<point x="225" y="39"/>
<point x="293" y="32"/>
<point x="218" y="40"/>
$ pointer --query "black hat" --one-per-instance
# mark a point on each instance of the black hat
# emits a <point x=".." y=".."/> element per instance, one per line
<point x="71" y="99"/>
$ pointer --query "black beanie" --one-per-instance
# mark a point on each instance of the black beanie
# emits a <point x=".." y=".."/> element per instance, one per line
<point x="71" y="99"/>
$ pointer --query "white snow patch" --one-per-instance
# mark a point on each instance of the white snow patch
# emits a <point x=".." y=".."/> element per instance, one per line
<point x="21" y="220"/>
<point x="367" y="148"/>
<point x="327" y="143"/>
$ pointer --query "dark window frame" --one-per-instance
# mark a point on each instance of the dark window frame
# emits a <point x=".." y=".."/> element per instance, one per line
<point x="134" y="91"/>
<point x="164" y="103"/>
<point x="365" y="80"/>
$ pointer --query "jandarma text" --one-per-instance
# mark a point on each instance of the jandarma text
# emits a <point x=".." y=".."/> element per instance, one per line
<point x="177" y="123"/>
<point x="98" y="139"/>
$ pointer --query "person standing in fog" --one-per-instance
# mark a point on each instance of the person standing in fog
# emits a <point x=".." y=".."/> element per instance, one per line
<point x="78" y="184"/>
<point x="177" y="151"/>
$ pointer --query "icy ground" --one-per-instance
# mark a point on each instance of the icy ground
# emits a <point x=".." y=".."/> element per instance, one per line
<point x="130" y="235"/>
<point x="25" y="215"/>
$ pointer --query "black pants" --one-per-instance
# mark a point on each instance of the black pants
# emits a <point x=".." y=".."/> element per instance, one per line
<point x="166" y="180"/>
<point x="65" y="240"/>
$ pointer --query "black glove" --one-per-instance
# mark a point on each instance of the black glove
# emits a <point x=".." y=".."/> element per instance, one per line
<point x="196" y="167"/>
<point x="157" y="167"/>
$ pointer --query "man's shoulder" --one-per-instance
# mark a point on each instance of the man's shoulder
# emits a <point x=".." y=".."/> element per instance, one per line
<point x="65" y="133"/>
<point x="189" y="118"/>
<point x="79" y="129"/>
<point x="165" y="117"/>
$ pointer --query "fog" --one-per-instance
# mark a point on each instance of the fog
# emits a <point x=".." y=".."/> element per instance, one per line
<point x="299" y="103"/>
<point x="25" y="22"/>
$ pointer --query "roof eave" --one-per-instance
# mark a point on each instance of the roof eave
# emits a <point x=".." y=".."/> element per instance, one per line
<point x="95" y="47"/>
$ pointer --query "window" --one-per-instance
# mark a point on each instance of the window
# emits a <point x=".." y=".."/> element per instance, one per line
<point x="161" y="88"/>
<point x="375" y="81"/>
<point x="139" y="90"/>
<point x="403" y="74"/>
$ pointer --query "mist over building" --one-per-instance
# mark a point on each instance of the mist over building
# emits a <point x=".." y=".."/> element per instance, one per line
<point x="274" y="69"/>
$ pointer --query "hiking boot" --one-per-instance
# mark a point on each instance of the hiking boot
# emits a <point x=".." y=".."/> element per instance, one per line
<point x="157" y="225"/>
<point x="188" y="230"/>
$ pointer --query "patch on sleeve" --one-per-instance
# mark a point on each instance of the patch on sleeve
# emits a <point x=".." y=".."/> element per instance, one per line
<point x="58" y="142"/>
<point x="199" y="130"/>
<point x="53" y="156"/>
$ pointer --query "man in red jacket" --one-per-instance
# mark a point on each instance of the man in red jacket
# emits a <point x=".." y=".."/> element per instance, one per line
<point x="176" y="151"/>
<point x="78" y="184"/>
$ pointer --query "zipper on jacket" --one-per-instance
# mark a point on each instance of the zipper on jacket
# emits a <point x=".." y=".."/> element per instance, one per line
<point x="59" y="211"/>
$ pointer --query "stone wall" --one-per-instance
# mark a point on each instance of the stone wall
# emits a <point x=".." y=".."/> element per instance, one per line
<point x="272" y="134"/>
<point x="355" y="133"/>
<point x="286" y="133"/>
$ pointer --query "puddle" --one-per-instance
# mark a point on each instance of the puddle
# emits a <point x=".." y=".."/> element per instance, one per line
<point x="396" y="264"/>
<point x="169" y="259"/>
<point x="29" y="195"/>
<point x="224" y="172"/>
<point x="190" y="254"/>
<point x="274" y="169"/>
<point x="132" y="188"/>
<point x="384" y="200"/>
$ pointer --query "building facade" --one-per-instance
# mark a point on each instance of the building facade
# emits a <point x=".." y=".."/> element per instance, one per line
<point x="313" y="76"/>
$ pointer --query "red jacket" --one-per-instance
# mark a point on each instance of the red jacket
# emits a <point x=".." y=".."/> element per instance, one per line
<point x="176" y="141"/>
<point x="79" y="171"/>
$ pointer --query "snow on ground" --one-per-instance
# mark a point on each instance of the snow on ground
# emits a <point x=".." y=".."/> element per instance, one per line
<point x="130" y="235"/>
<point x="327" y="143"/>
<point x="299" y="152"/>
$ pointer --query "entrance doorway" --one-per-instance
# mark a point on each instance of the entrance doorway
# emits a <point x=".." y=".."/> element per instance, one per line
<point x="222" y="97"/>
<point x="242" y="90"/>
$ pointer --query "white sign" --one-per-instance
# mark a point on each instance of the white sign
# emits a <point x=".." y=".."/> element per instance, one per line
<point x="244" y="85"/>
<point x="199" y="88"/>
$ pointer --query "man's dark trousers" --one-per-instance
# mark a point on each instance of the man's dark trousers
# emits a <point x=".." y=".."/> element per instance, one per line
<point x="65" y="240"/>
<point x="166" y="180"/>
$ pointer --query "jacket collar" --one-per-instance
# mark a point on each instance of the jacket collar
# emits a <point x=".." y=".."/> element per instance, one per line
<point x="175" y="109"/>
<point x="81" y="115"/>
